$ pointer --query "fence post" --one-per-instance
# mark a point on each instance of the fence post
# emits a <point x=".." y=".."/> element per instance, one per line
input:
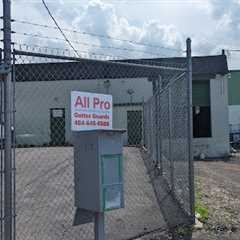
<point x="170" y="137"/>
<point x="8" y="231"/>
<point x="190" y="130"/>
<point x="143" y="123"/>
<point x="13" y="137"/>
<point x="156" y="123"/>
<point x="159" y="125"/>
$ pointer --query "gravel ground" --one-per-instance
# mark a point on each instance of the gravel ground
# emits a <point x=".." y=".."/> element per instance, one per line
<point x="219" y="186"/>
<point x="218" y="182"/>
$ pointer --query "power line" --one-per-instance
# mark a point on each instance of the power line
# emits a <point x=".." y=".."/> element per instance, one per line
<point x="99" y="36"/>
<point x="63" y="34"/>
<point x="87" y="44"/>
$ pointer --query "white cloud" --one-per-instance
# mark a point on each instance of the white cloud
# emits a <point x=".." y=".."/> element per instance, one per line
<point x="212" y="26"/>
<point x="227" y="14"/>
<point x="96" y="17"/>
<point x="101" y="18"/>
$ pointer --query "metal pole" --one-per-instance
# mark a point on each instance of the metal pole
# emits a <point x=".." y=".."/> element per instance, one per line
<point x="150" y="126"/>
<point x="190" y="130"/>
<point x="143" y="123"/>
<point x="170" y="138"/>
<point x="7" y="122"/>
<point x="2" y="154"/>
<point x="160" y="126"/>
<point x="14" y="145"/>
<point x="99" y="226"/>
<point x="155" y="107"/>
<point x="156" y="120"/>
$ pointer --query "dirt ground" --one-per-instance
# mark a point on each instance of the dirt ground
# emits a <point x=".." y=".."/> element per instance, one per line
<point x="218" y="182"/>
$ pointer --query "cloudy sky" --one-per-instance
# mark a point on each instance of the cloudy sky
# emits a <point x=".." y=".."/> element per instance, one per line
<point x="159" y="27"/>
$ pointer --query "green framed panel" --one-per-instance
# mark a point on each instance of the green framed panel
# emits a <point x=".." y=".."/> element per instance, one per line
<point x="111" y="168"/>
<point x="112" y="178"/>
<point x="112" y="197"/>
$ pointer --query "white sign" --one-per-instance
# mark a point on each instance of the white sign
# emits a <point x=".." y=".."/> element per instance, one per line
<point x="90" y="111"/>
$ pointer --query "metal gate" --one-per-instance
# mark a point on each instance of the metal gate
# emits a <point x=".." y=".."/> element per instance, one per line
<point x="44" y="185"/>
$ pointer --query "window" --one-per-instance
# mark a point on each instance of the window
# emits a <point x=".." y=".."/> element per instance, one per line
<point x="201" y="122"/>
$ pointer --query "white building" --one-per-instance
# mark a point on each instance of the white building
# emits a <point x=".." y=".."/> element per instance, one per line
<point x="43" y="108"/>
<point x="43" y="100"/>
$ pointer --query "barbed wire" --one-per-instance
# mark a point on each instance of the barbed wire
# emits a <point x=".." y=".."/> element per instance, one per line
<point x="87" y="44"/>
<point x="63" y="51"/>
<point x="103" y="57"/>
<point x="100" y="36"/>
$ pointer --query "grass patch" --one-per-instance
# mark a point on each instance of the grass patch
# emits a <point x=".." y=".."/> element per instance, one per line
<point x="199" y="207"/>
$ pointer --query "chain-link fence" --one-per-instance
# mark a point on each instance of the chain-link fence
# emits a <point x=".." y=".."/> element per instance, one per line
<point x="168" y="140"/>
<point x="43" y="151"/>
<point x="7" y="156"/>
<point x="44" y="154"/>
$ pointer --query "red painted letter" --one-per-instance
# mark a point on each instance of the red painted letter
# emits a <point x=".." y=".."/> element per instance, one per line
<point x="95" y="102"/>
<point x="79" y="102"/>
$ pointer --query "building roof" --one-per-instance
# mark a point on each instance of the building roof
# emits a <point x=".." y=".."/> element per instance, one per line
<point x="203" y="67"/>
